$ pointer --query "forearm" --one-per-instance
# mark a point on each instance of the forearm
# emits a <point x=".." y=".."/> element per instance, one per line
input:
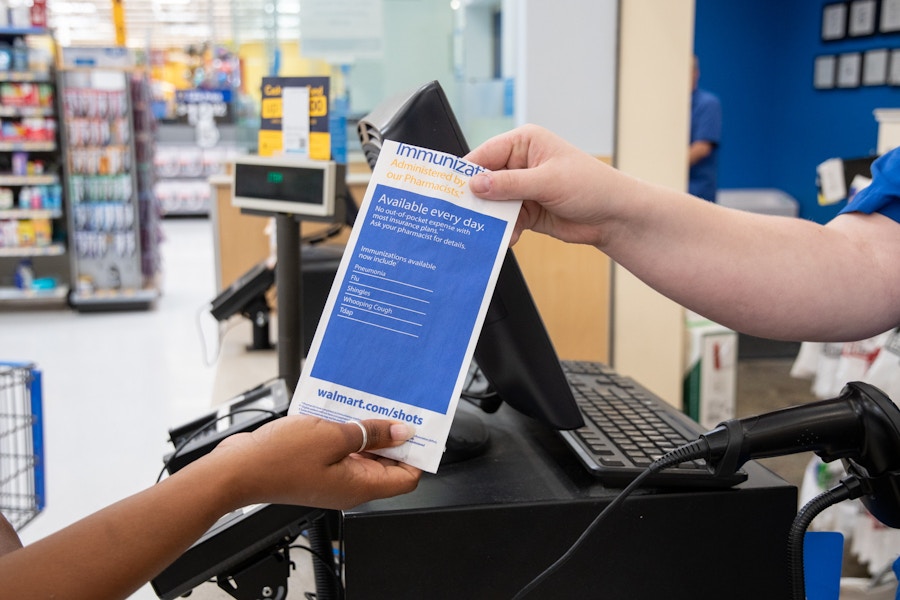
<point x="698" y="151"/>
<point x="113" y="552"/>
<point x="292" y="460"/>
<point x="769" y="276"/>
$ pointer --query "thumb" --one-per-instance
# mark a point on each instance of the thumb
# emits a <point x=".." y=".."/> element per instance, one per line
<point x="372" y="434"/>
<point x="508" y="184"/>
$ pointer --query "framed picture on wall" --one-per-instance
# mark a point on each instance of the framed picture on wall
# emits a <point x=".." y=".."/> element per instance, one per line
<point x="849" y="69"/>
<point x="862" y="18"/>
<point x="893" y="77"/>
<point x="875" y="67"/>
<point x="824" y="70"/>
<point x="834" y="21"/>
<point x="889" y="22"/>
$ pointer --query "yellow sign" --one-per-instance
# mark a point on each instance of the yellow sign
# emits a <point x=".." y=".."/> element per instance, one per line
<point x="314" y="142"/>
<point x="270" y="142"/>
<point x="118" y="11"/>
<point x="271" y="108"/>
<point x="318" y="103"/>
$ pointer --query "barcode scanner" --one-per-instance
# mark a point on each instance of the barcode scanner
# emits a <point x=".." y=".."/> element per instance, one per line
<point x="861" y="427"/>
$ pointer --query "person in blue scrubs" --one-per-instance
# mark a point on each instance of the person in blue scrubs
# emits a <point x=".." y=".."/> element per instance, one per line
<point x="768" y="276"/>
<point x="706" y="134"/>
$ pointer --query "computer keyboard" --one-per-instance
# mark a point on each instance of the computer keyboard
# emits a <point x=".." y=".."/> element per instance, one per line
<point x="627" y="427"/>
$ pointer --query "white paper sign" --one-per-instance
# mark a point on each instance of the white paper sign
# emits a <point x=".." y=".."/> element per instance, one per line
<point x="295" y="122"/>
<point x="400" y="325"/>
<point x="832" y="186"/>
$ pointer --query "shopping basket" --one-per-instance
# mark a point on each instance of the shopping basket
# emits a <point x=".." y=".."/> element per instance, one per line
<point x="21" y="443"/>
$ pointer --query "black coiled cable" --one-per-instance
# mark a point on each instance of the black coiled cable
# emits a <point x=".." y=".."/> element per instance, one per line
<point x="848" y="489"/>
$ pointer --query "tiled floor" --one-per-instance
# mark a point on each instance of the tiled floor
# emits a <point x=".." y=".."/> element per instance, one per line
<point x="115" y="382"/>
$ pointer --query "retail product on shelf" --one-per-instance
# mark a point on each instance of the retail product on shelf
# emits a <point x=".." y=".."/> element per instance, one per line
<point x="104" y="191"/>
<point x="197" y="99"/>
<point x="34" y="265"/>
<point x="182" y="168"/>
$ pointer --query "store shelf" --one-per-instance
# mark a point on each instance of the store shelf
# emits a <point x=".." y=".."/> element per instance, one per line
<point x="26" y="76"/>
<point x="15" y="295"/>
<point x="15" y="180"/>
<point x="30" y="213"/>
<point x="109" y="214"/>
<point x="26" y="146"/>
<point x="18" y="31"/>
<point x="107" y="300"/>
<point x="57" y="249"/>
<point x="182" y="168"/>
<point x="26" y="111"/>
<point x="34" y="226"/>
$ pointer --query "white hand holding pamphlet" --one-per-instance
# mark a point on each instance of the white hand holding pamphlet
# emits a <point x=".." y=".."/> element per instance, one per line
<point x="403" y="316"/>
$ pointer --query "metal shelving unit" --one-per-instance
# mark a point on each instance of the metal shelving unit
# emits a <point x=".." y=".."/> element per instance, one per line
<point x="33" y="225"/>
<point x="103" y="192"/>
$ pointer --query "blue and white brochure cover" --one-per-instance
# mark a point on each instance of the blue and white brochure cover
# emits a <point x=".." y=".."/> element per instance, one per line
<point x="403" y="316"/>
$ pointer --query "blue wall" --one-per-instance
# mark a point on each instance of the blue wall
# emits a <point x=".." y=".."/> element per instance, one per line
<point x="758" y="56"/>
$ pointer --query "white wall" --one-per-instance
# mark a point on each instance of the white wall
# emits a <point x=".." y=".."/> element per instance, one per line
<point x="653" y="123"/>
<point x="560" y="55"/>
<point x="418" y="46"/>
<point x="565" y="69"/>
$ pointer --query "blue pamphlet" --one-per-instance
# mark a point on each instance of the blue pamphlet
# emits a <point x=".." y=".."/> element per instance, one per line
<point x="403" y="316"/>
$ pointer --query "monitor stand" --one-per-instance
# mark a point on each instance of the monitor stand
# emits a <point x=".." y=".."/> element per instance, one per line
<point x="469" y="437"/>
<point x="258" y="313"/>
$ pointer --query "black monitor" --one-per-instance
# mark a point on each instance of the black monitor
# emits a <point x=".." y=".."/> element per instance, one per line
<point x="243" y="292"/>
<point x="319" y="263"/>
<point x="247" y="296"/>
<point x="514" y="350"/>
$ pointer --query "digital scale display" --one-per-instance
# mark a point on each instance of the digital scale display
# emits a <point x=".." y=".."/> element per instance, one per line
<point x="285" y="184"/>
<point x="279" y="183"/>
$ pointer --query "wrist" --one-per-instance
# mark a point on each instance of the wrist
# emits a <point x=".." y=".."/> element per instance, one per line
<point x="217" y="480"/>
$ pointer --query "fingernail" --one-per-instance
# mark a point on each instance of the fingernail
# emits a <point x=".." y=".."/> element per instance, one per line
<point x="481" y="183"/>
<point x="401" y="432"/>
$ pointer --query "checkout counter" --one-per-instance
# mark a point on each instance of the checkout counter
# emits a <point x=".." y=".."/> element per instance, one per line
<point x="483" y="528"/>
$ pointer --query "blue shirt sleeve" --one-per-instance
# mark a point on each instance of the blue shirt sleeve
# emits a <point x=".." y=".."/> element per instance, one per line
<point x="706" y="117"/>
<point x="883" y="194"/>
